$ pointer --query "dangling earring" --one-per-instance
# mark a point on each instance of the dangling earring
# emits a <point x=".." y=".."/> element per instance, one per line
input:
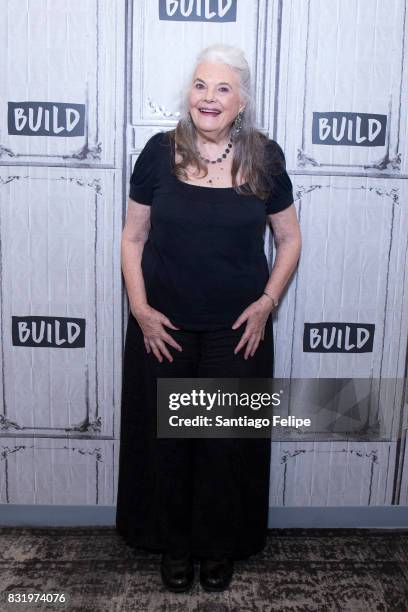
<point x="237" y="125"/>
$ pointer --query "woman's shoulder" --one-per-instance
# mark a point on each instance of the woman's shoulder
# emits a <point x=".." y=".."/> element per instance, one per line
<point x="275" y="160"/>
<point x="274" y="149"/>
<point x="153" y="150"/>
<point x="158" y="139"/>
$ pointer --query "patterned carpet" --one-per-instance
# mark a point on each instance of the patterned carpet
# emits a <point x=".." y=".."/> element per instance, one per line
<point x="300" y="570"/>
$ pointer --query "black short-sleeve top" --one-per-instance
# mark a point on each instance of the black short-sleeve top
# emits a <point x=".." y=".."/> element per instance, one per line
<point x="204" y="261"/>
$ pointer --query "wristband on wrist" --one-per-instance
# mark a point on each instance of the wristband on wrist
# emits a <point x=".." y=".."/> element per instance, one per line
<point x="273" y="300"/>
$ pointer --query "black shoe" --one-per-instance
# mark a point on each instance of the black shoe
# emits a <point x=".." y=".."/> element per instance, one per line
<point x="177" y="571"/>
<point x="216" y="574"/>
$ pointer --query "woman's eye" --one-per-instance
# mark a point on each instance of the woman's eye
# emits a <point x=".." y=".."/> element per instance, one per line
<point x="224" y="89"/>
<point x="199" y="85"/>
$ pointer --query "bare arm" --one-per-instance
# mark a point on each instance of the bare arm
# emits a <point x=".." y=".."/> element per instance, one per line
<point x="134" y="236"/>
<point x="288" y="242"/>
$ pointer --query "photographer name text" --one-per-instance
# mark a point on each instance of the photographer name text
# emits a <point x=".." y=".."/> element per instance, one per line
<point x="242" y="421"/>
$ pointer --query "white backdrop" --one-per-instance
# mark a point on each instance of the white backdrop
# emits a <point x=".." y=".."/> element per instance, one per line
<point x="119" y="67"/>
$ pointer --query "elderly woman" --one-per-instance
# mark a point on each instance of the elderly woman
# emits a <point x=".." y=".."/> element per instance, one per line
<point x="201" y="302"/>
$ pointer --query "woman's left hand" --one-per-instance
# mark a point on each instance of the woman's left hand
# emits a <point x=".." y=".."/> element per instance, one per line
<point x="256" y="316"/>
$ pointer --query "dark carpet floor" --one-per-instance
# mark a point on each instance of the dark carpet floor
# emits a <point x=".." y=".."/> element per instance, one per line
<point x="300" y="570"/>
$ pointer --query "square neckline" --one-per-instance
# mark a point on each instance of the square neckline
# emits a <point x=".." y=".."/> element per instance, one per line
<point x="204" y="186"/>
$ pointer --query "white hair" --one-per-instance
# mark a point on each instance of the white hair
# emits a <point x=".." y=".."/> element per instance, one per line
<point x="236" y="60"/>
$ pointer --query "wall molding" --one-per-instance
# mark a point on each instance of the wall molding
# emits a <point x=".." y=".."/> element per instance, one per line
<point x="352" y="517"/>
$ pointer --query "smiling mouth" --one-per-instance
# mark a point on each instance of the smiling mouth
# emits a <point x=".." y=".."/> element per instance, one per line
<point x="209" y="111"/>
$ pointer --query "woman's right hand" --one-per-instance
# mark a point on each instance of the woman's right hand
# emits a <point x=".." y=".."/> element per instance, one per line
<point x="152" y="324"/>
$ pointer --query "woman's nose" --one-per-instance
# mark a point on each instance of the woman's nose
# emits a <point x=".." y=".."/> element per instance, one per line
<point x="210" y="95"/>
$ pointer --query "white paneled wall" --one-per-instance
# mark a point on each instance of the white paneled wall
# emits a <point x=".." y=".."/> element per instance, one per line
<point x="57" y="471"/>
<point x="59" y="235"/>
<point x="61" y="212"/>
<point x="62" y="204"/>
<point x="331" y="474"/>
<point x="338" y="56"/>
<point x="67" y="51"/>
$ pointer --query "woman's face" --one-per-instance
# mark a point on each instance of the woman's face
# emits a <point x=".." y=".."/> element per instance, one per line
<point x="214" y="100"/>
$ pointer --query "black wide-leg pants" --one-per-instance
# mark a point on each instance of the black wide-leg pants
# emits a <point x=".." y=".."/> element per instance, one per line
<point x="208" y="495"/>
